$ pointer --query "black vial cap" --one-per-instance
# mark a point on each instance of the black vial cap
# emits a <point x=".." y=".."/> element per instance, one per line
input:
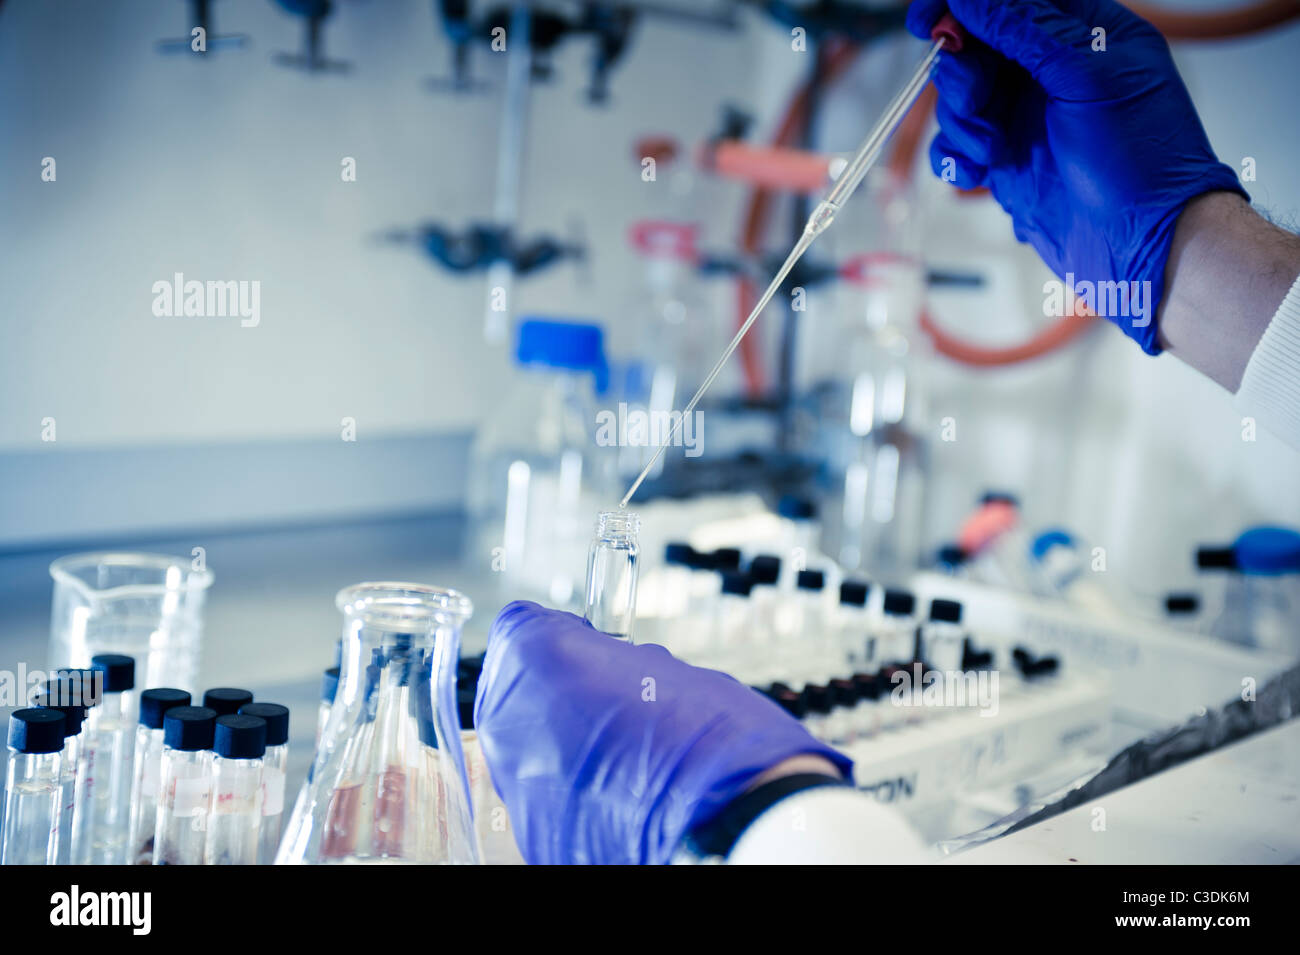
<point x="765" y="569"/>
<point x="118" y="670"/>
<point x="276" y="718"/>
<point x="226" y="700"/>
<point x="951" y="554"/>
<point x="155" y="703"/>
<point x="999" y="497"/>
<point x="945" y="611"/>
<point x="189" y="728"/>
<point x="84" y="687"/>
<point x="793" y="703"/>
<point x="796" y="508"/>
<point x="36" y="730"/>
<point x="810" y="580"/>
<point x="899" y="603"/>
<point x="679" y="553"/>
<point x="239" y="737"/>
<point x="854" y="592"/>
<point x="73" y="715"/>
<point x="868" y="685"/>
<point x="819" y="698"/>
<point x="329" y="685"/>
<point x="464" y="709"/>
<point x="735" y="582"/>
<point x="844" y="692"/>
<point x="725" y="558"/>
<point x="1182" y="603"/>
<point x="1216" y="558"/>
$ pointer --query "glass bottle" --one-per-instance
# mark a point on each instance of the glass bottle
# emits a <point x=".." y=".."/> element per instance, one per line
<point x="856" y="642"/>
<point x="85" y="688"/>
<point x="185" y="793"/>
<point x="58" y="695"/>
<point x="275" y="763"/>
<point x="388" y="783"/>
<point x="110" y="752"/>
<point x="33" y="788"/>
<point x="896" y="639"/>
<point x="154" y="704"/>
<point x="612" y="573"/>
<point x="942" y="637"/>
<point x="148" y="606"/>
<point x="235" y="813"/>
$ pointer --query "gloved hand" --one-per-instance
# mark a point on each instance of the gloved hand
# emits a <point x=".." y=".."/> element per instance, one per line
<point x="1093" y="153"/>
<point x="606" y="753"/>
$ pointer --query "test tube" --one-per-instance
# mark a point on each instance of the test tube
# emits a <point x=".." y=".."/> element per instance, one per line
<point x="274" y="767"/>
<point x="942" y="638"/>
<point x="235" y="819"/>
<point x="58" y="695"/>
<point x="154" y="704"/>
<point x="109" y="753"/>
<point x="186" y="789"/>
<point x="226" y="700"/>
<point x="33" y="788"/>
<point x="329" y="688"/>
<point x="612" y="572"/>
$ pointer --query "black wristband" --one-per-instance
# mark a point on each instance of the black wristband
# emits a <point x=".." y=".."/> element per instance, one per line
<point x="718" y="836"/>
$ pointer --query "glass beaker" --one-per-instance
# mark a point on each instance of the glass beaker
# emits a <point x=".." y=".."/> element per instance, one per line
<point x="147" y="606"/>
<point x="388" y="783"/>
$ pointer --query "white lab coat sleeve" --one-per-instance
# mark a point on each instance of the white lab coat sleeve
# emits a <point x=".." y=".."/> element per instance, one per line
<point x="1270" y="387"/>
<point x="828" y="826"/>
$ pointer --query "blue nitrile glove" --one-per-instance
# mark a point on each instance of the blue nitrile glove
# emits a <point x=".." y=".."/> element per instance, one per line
<point x="1093" y="153"/>
<point x="609" y="753"/>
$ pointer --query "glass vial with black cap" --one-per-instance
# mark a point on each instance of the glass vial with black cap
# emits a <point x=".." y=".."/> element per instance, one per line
<point x="84" y="688"/>
<point x="942" y="637"/>
<point x="329" y="688"/>
<point x="853" y="624"/>
<point x="226" y="700"/>
<point x="275" y="764"/>
<point x="185" y="792"/>
<point x="731" y="647"/>
<point x="896" y="637"/>
<point x="235" y="815"/>
<point x="33" y="788"/>
<point x="154" y="704"/>
<point x="58" y="695"/>
<point x="809" y="628"/>
<point x="110" y="752"/>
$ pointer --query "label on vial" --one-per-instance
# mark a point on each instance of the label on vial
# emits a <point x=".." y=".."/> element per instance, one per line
<point x="192" y="796"/>
<point x="272" y="793"/>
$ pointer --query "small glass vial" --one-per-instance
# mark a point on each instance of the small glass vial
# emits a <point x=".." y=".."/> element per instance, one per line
<point x="866" y="715"/>
<point x="275" y="764"/>
<point x="810" y="637"/>
<point x="85" y="688"/>
<point x="841" y="725"/>
<point x="942" y="637"/>
<point x="186" y="789"/>
<point x="611" y="574"/>
<point x="154" y="704"/>
<point x="896" y="639"/>
<point x="59" y="695"/>
<point x="235" y="818"/>
<point x="856" y="641"/>
<point x="820" y="706"/>
<point x="329" y="688"/>
<point x="109" y="753"/>
<point x="33" y="788"/>
<point x="730" y="649"/>
<point x="226" y="700"/>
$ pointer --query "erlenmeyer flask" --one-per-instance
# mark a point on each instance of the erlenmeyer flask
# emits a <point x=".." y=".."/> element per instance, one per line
<point x="148" y="606"/>
<point x="388" y="783"/>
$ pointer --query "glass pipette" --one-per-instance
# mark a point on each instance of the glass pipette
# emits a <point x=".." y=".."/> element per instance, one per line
<point x="947" y="35"/>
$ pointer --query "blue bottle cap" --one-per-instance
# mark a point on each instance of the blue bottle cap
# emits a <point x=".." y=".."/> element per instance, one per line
<point x="1268" y="551"/>
<point x="118" y="670"/>
<point x="329" y="685"/>
<point x="36" y="730"/>
<point x="573" y="346"/>
<point x="276" y="718"/>
<point x="239" y="737"/>
<point x="765" y="569"/>
<point x="226" y="700"/>
<point x="1053" y="537"/>
<point x="155" y="702"/>
<point x="736" y="582"/>
<point x="796" y="508"/>
<point x="810" y="580"/>
<point x="189" y="728"/>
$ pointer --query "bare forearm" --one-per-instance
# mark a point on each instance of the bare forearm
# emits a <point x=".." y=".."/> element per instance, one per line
<point x="1228" y="270"/>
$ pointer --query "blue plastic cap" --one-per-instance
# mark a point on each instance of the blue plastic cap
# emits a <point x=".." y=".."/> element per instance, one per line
<point x="1268" y="551"/>
<point x="1055" y="537"/>
<point x="574" y="346"/>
